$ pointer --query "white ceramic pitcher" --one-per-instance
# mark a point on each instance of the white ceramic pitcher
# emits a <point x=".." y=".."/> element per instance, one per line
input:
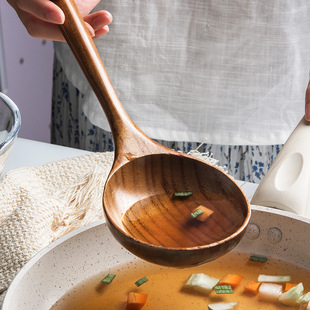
<point x="286" y="185"/>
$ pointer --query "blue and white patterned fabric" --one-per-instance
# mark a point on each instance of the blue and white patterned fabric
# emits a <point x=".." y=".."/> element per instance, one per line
<point x="70" y="127"/>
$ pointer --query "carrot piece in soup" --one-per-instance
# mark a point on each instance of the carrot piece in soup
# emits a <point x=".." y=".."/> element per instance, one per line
<point x="288" y="286"/>
<point x="136" y="301"/>
<point x="231" y="279"/>
<point x="252" y="287"/>
<point x="201" y="213"/>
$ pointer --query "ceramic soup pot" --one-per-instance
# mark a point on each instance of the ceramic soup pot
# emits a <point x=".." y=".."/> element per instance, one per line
<point x="92" y="249"/>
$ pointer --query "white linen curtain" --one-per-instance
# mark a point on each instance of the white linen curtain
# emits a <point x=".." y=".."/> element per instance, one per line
<point x="231" y="72"/>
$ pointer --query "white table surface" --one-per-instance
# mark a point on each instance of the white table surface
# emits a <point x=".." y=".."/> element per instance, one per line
<point x="33" y="153"/>
<point x="26" y="152"/>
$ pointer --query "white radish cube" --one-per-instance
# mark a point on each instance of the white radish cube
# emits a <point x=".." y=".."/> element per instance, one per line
<point x="201" y="282"/>
<point x="270" y="292"/>
<point x="273" y="279"/>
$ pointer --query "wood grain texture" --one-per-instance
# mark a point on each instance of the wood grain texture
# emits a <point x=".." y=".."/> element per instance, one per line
<point x="138" y="200"/>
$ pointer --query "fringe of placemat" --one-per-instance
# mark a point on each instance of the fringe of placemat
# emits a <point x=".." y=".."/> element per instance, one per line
<point x="83" y="200"/>
<point x="207" y="157"/>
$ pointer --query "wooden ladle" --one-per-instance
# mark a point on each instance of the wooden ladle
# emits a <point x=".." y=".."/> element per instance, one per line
<point x="141" y="209"/>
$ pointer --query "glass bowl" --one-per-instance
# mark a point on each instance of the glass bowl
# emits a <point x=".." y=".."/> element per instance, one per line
<point x="10" y="122"/>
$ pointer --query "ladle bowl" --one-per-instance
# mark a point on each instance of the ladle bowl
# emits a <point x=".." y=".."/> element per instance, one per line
<point x="139" y="200"/>
<point x="145" y="217"/>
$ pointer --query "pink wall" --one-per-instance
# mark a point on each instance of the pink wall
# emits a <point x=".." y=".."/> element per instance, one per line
<point x="29" y="75"/>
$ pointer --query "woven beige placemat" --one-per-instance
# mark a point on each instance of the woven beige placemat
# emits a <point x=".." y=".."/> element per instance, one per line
<point x="40" y="204"/>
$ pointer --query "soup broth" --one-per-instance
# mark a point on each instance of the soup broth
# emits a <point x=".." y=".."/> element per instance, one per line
<point x="165" y="286"/>
<point x="174" y="227"/>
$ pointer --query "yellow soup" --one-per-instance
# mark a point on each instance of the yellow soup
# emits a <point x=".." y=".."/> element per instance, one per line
<point x="165" y="286"/>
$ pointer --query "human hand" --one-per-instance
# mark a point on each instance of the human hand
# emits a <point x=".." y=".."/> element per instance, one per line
<point x="307" y="103"/>
<point x="42" y="17"/>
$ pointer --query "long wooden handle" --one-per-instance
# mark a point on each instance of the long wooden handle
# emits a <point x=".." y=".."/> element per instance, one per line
<point x="128" y="138"/>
